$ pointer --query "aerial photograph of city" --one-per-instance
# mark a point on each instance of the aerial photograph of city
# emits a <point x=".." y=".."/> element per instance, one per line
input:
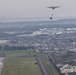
<point x="37" y="37"/>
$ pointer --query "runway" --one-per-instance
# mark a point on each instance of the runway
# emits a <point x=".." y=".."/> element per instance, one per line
<point x="42" y="66"/>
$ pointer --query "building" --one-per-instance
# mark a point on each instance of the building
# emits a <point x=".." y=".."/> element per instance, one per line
<point x="68" y="69"/>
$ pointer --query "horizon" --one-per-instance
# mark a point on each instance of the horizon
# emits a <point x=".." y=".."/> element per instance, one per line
<point x="12" y="19"/>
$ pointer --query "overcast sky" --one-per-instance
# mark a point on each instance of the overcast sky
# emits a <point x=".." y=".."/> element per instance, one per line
<point x="36" y="8"/>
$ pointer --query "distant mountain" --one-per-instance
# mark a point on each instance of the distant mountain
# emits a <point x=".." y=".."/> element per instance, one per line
<point x="34" y="25"/>
<point x="65" y="21"/>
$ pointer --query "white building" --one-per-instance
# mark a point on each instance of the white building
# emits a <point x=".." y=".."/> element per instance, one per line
<point x="68" y="69"/>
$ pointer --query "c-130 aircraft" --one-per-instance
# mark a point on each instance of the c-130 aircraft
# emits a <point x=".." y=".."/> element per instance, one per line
<point x="53" y="7"/>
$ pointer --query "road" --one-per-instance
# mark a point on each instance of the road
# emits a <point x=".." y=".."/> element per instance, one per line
<point x="54" y="65"/>
<point x="1" y="64"/>
<point x="42" y="66"/>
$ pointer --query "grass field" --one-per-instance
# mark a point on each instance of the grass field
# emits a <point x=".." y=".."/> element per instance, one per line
<point x="14" y="53"/>
<point x="15" y="64"/>
<point x="20" y="66"/>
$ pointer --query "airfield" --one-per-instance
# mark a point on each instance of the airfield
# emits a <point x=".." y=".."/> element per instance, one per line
<point x="27" y="62"/>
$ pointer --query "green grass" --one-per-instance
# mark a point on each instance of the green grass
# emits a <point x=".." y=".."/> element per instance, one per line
<point x="20" y="66"/>
<point x="25" y="65"/>
<point x="18" y="53"/>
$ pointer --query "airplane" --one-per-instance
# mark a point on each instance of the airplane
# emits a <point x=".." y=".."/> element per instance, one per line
<point x="53" y="7"/>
